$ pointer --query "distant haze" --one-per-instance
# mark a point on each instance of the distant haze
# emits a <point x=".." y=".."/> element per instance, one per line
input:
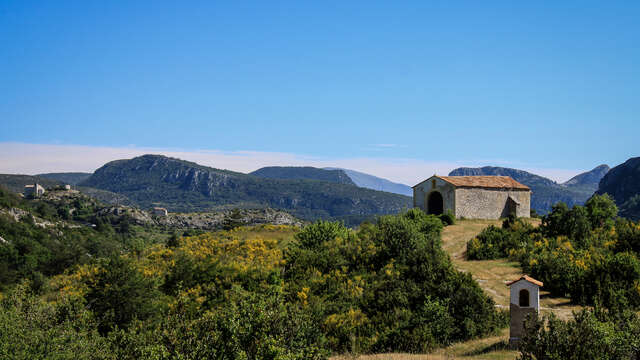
<point x="19" y="158"/>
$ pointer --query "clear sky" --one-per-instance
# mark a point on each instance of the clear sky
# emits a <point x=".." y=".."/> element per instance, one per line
<point x="546" y="85"/>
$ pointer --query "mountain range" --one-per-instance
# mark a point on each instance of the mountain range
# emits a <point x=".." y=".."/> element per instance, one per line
<point x="546" y="192"/>
<point x="335" y="175"/>
<point x="376" y="183"/>
<point x="178" y="185"/>
<point x="307" y="192"/>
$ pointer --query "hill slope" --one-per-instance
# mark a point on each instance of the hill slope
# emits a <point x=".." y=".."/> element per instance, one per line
<point x="545" y="192"/>
<point x="72" y="178"/>
<point x="623" y="184"/>
<point x="185" y="186"/>
<point x="376" y="183"/>
<point x="306" y="172"/>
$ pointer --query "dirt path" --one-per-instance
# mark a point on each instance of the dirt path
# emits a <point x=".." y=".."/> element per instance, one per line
<point x="492" y="274"/>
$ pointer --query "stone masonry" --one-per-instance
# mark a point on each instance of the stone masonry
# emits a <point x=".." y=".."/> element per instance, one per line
<point x="473" y="197"/>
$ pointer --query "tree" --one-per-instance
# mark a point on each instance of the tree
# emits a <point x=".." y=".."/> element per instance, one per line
<point x="233" y="221"/>
<point x="602" y="210"/>
<point x="119" y="293"/>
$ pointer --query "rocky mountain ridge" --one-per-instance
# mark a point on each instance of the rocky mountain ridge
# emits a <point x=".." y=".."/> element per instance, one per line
<point x="545" y="192"/>
<point x="623" y="184"/>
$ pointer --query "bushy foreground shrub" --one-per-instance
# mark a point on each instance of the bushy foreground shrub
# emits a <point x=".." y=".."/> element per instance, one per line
<point x="33" y="329"/>
<point x="589" y="335"/>
<point x="447" y="218"/>
<point x="494" y="242"/>
<point x="247" y="326"/>
<point x="387" y="287"/>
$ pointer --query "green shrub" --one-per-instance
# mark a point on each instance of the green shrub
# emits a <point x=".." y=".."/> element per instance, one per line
<point x="494" y="242"/>
<point x="33" y="329"/>
<point x="246" y="326"/>
<point x="602" y="211"/>
<point x="588" y="335"/>
<point x="447" y="218"/>
<point x="387" y="287"/>
<point x="119" y="294"/>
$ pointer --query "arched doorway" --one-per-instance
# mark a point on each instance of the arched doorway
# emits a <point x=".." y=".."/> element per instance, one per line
<point x="435" y="204"/>
<point x="523" y="298"/>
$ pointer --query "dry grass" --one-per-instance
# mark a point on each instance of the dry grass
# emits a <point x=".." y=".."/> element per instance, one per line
<point x="492" y="348"/>
<point x="491" y="275"/>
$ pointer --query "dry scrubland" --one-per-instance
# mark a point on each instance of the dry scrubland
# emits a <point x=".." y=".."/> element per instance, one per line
<point x="491" y="275"/>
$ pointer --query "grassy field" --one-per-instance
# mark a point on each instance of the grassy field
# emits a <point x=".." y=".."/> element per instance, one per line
<point x="491" y="275"/>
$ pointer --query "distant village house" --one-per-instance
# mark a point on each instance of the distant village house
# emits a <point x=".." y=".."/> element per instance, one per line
<point x="34" y="190"/>
<point x="67" y="187"/>
<point x="158" y="211"/>
<point x="473" y="197"/>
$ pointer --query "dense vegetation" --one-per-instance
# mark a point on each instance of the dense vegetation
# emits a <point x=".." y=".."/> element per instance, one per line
<point x="153" y="180"/>
<point x="546" y="192"/>
<point x="590" y="335"/>
<point x="263" y="292"/>
<point x="51" y="236"/>
<point x="588" y="254"/>
<point x="585" y="252"/>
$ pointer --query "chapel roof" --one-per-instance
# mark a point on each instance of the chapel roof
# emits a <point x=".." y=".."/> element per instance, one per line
<point x="526" y="278"/>
<point x="498" y="182"/>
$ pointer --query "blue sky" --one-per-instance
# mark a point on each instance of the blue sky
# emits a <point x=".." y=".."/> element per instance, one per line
<point x="536" y="85"/>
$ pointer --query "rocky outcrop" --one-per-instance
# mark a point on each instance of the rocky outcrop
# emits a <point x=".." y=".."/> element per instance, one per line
<point x="623" y="181"/>
<point x="216" y="220"/>
<point x="623" y="184"/>
<point x="201" y="220"/>
<point x="18" y="214"/>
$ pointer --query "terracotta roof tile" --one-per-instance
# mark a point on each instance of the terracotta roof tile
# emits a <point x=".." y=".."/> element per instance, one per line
<point x="499" y="182"/>
<point x="527" y="278"/>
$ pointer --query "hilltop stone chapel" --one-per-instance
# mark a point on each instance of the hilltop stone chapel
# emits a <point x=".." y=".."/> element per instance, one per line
<point x="473" y="197"/>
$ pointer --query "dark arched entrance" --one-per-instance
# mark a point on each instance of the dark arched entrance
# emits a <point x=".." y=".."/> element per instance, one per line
<point x="435" y="204"/>
<point x="523" y="298"/>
